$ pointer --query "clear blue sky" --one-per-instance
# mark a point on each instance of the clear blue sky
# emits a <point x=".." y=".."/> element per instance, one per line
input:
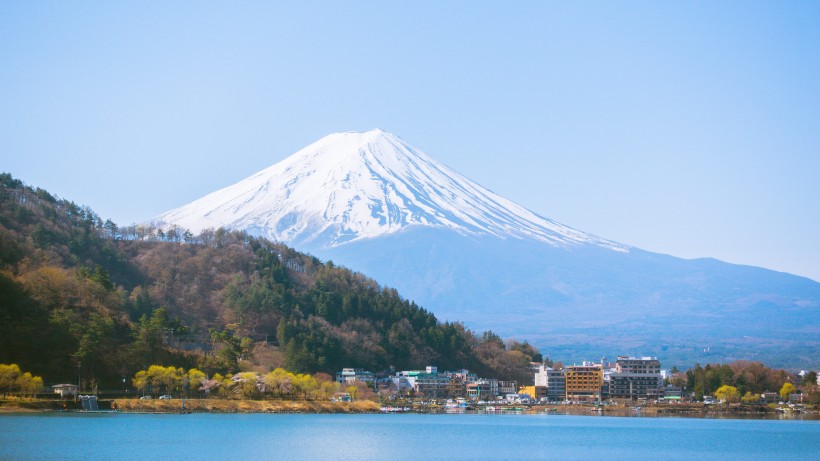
<point x="689" y="128"/>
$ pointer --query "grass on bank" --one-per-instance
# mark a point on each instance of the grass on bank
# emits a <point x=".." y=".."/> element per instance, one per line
<point x="245" y="406"/>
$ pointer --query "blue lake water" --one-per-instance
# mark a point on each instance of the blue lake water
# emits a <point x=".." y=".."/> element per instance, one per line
<point x="400" y="437"/>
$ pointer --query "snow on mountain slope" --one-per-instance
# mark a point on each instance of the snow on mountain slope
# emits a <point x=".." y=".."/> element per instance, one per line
<point x="350" y="186"/>
<point x="373" y="203"/>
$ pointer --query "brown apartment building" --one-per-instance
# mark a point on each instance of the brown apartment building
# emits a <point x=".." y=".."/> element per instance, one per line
<point x="583" y="382"/>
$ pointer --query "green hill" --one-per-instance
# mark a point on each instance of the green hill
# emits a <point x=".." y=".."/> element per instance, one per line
<point x="83" y="296"/>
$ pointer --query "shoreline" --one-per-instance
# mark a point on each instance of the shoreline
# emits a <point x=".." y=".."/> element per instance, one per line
<point x="175" y="406"/>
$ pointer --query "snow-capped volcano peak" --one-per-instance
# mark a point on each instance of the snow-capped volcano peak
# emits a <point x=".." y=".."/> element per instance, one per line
<point x="356" y="185"/>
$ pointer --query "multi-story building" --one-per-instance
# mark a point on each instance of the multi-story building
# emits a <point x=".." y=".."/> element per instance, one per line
<point x="636" y="378"/>
<point x="456" y="386"/>
<point x="427" y="383"/>
<point x="583" y="382"/>
<point x="638" y="365"/>
<point x="483" y="389"/>
<point x="433" y="385"/>
<point x="541" y="375"/>
<point x="507" y="387"/>
<point x="556" y="385"/>
<point x="553" y="380"/>
<point x="351" y="375"/>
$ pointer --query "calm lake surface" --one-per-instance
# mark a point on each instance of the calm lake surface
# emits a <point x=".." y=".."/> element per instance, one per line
<point x="400" y="437"/>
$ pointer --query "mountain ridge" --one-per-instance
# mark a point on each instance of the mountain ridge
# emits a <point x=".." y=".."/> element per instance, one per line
<point x="479" y="258"/>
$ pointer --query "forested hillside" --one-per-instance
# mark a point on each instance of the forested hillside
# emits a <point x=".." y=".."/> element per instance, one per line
<point x="79" y="296"/>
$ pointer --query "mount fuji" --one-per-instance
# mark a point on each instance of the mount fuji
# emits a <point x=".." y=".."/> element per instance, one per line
<point x="348" y="187"/>
<point x="372" y="202"/>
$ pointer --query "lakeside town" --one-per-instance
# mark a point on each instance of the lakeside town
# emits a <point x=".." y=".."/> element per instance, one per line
<point x="627" y="380"/>
<point x="628" y="385"/>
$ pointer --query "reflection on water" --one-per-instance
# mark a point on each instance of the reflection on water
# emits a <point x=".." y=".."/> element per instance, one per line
<point x="400" y="437"/>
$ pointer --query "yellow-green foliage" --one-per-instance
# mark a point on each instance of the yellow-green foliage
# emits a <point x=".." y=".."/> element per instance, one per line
<point x="13" y="379"/>
<point x="168" y="379"/>
<point x="247" y="384"/>
<point x="727" y="393"/>
<point x="279" y="383"/>
<point x="8" y="376"/>
<point x="787" y="390"/>
<point x="750" y="398"/>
